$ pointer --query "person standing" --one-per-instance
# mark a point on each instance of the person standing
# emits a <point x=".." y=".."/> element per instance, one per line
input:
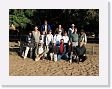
<point x="66" y="39"/>
<point x="74" y="38"/>
<point x="43" y="40"/>
<point x="36" y="34"/>
<point x="45" y="27"/>
<point x="71" y="30"/>
<point x="83" y="38"/>
<point x="49" y="38"/>
<point x="29" y="46"/>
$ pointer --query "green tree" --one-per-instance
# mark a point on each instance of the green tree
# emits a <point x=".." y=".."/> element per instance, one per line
<point x="88" y="19"/>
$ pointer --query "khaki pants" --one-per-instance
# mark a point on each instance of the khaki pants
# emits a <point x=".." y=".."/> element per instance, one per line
<point x="26" y="52"/>
<point x="36" y="48"/>
<point x="74" y="44"/>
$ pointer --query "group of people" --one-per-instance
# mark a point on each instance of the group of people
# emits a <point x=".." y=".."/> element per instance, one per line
<point x="62" y="44"/>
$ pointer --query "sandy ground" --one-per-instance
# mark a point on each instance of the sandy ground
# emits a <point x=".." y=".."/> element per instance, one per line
<point x="20" y="67"/>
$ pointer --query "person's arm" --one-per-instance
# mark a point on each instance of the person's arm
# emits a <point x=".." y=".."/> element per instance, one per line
<point x="33" y="40"/>
<point x="26" y="39"/>
<point x="49" y="27"/>
<point x="39" y="36"/>
<point x="84" y="41"/>
<point x="46" y="40"/>
<point x="67" y="38"/>
<point x="69" y="31"/>
<point x="71" y="38"/>
<point x="52" y="38"/>
<point x="41" y="28"/>
<point x="85" y="37"/>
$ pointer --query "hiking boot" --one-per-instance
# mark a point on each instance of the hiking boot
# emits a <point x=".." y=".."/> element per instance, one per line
<point x="37" y="59"/>
<point x="70" y="61"/>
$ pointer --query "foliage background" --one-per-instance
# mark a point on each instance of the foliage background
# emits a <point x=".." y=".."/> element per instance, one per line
<point x="26" y="19"/>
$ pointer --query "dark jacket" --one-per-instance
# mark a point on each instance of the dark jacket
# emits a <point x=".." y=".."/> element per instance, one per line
<point x="30" y="41"/>
<point x="43" y="27"/>
<point x="51" y="47"/>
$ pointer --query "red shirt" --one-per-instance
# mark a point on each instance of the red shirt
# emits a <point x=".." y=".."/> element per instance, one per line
<point x="61" y="48"/>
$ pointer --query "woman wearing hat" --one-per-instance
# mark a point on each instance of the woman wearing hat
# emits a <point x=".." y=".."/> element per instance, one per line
<point x="81" y="49"/>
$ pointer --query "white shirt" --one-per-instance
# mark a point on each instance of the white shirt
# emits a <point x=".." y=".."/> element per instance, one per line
<point x="42" y="39"/>
<point x="66" y="39"/>
<point x="49" y="38"/>
<point x="60" y="30"/>
<point x="72" y="30"/>
<point x="55" y="38"/>
<point x="45" y="28"/>
<point x="58" y="38"/>
<point x="35" y="33"/>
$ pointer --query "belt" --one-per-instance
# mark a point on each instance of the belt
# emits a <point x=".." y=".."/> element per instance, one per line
<point x="75" y="41"/>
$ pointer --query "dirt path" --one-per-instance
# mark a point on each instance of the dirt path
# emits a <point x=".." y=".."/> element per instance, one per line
<point x="20" y="67"/>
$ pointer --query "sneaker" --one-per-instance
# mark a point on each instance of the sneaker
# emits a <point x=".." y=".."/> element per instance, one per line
<point x="24" y="57"/>
<point x="70" y="61"/>
<point x="37" y="59"/>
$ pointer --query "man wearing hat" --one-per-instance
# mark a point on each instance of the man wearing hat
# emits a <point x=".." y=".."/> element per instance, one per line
<point x="71" y="30"/>
<point x="83" y="38"/>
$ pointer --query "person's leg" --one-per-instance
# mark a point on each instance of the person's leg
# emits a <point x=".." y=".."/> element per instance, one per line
<point x="65" y="47"/>
<point x="47" y="48"/>
<point x="83" y="50"/>
<point x="26" y="52"/>
<point x="37" y="58"/>
<point x="78" y="51"/>
<point x="71" y="57"/>
<point x="31" y="52"/>
<point x="23" y="51"/>
<point x="76" y="44"/>
<point x="59" y="56"/>
<point x="69" y="54"/>
<point x="84" y="57"/>
<point x="55" y="57"/>
<point x="36" y="50"/>
<point x="51" y="56"/>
